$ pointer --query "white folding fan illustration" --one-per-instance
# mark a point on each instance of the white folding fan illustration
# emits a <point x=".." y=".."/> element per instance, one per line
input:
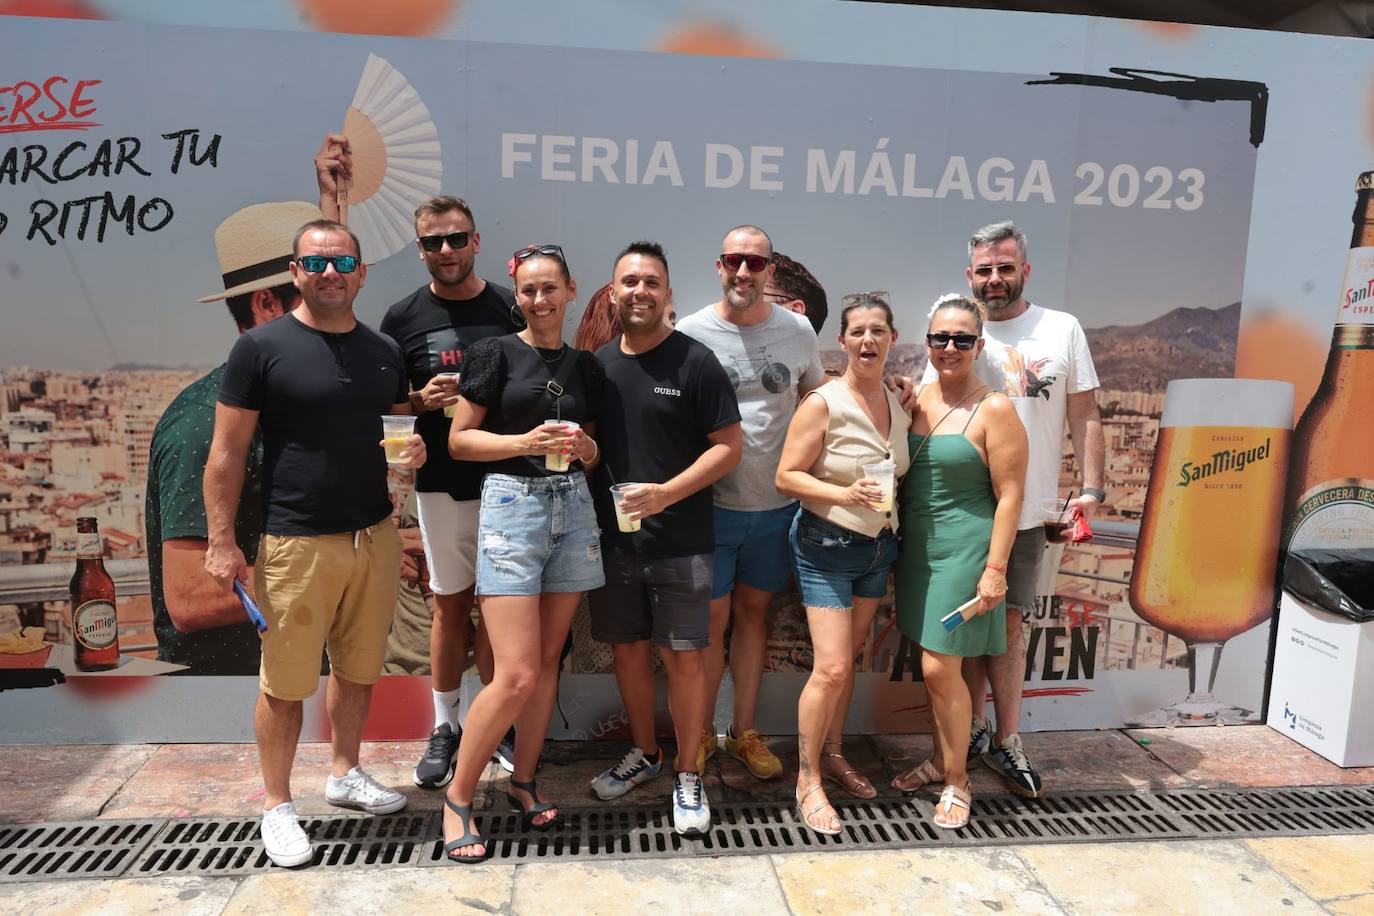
<point x="396" y="160"/>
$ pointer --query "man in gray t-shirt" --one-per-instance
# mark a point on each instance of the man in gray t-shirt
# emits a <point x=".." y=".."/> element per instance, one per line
<point x="772" y="359"/>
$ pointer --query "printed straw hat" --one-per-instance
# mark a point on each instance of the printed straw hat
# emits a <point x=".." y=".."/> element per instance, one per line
<point x="254" y="246"/>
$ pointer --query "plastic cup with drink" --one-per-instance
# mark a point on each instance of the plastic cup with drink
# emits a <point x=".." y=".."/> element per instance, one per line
<point x="450" y="409"/>
<point x="623" y="521"/>
<point x="396" y="433"/>
<point x="1058" y="524"/>
<point x="557" y="461"/>
<point x="885" y="473"/>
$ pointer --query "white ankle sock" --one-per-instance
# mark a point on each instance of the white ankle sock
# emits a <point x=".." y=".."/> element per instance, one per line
<point x="446" y="707"/>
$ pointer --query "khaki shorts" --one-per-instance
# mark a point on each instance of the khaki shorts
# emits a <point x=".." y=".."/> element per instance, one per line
<point x="335" y="590"/>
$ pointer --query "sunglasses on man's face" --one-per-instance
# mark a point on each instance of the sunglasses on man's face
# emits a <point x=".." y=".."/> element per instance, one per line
<point x="940" y="341"/>
<point x="432" y="243"/>
<point x="316" y="263"/>
<point x="755" y="262"/>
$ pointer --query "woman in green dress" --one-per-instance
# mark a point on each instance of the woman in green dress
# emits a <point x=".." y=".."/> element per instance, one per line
<point x="959" y="506"/>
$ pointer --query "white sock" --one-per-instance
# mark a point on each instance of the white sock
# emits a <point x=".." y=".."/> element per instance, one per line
<point x="446" y="707"/>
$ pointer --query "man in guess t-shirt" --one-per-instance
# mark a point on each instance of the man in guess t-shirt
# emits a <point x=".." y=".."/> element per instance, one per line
<point x="669" y="428"/>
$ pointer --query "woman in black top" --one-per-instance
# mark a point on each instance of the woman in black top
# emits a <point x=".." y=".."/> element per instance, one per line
<point x="528" y="410"/>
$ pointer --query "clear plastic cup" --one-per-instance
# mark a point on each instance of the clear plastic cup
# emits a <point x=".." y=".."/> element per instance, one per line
<point x="451" y="408"/>
<point x="557" y="461"/>
<point x="396" y="433"/>
<point x="623" y="521"/>
<point x="885" y="472"/>
<point x="1055" y="514"/>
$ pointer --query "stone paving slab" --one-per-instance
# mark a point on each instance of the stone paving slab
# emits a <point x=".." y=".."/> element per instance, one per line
<point x="193" y="780"/>
<point x="461" y="889"/>
<point x="911" y="881"/>
<point x="187" y="896"/>
<point x="60" y="783"/>
<point x="744" y="884"/>
<point x="1245" y="755"/>
<point x="1192" y="876"/>
<point x="1325" y="867"/>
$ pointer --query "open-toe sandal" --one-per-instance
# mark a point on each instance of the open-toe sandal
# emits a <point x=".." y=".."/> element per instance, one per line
<point x="468" y="838"/>
<point x="850" y="779"/>
<point x="807" y="815"/>
<point x="918" y="777"/>
<point x="536" y="808"/>
<point x="952" y="810"/>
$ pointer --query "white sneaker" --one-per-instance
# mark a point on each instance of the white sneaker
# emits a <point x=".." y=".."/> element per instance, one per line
<point x="282" y="837"/>
<point x="361" y="791"/>
<point x="632" y="770"/>
<point x="691" y="810"/>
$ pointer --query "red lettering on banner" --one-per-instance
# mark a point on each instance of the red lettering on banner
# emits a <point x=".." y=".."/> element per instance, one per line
<point x="26" y="106"/>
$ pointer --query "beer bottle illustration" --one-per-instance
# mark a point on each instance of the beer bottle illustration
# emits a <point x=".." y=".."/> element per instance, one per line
<point x="1330" y="499"/>
<point x="95" y="628"/>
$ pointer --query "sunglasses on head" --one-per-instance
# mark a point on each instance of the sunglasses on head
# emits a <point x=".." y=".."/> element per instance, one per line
<point x="941" y="340"/>
<point x="317" y="263"/>
<point x="877" y="296"/>
<point x="530" y="251"/>
<point x="455" y="241"/>
<point x="755" y="262"/>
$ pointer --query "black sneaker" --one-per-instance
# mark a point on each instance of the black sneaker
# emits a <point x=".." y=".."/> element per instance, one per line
<point x="979" y="740"/>
<point x="505" y="751"/>
<point x="435" y="768"/>
<point x="1008" y="760"/>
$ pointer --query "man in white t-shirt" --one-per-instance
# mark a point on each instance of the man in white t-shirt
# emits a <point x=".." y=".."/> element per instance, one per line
<point x="1039" y="358"/>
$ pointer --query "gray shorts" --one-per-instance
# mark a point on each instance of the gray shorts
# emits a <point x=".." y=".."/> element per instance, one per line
<point x="1023" y="567"/>
<point x="667" y="600"/>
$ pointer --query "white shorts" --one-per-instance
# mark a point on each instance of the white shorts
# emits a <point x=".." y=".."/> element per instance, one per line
<point x="448" y="528"/>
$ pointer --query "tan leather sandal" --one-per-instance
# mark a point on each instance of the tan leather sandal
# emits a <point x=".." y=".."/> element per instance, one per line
<point x="849" y="779"/>
<point x="918" y="777"/>
<point x="953" y="808"/>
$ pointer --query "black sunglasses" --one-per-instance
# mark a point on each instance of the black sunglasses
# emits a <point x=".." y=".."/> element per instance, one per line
<point x="456" y="240"/>
<point x="756" y="262"/>
<point x="941" y="340"/>
<point x="316" y="263"/>
<point x="530" y="251"/>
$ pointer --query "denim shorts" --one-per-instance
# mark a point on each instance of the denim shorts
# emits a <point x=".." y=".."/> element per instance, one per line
<point x="835" y="565"/>
<point x="751" y="547"/>
<point x="537" y="534"/>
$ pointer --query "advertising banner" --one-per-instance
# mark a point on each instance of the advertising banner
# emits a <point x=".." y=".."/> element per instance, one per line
<point x="134" y="158"/>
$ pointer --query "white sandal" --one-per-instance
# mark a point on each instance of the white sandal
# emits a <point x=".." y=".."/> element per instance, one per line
<point x="953" y="808"/>
<point x="806" y="816"/>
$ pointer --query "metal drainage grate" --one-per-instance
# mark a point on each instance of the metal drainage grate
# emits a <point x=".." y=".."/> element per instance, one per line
<point x="1274" y="812"/>
<point x="233" y="846"/>
<point x="82" y="849"/>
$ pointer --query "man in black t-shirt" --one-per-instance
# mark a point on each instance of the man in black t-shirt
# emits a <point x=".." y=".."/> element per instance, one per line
<point x="316" y="384"/>
<point x="669" y="428"/>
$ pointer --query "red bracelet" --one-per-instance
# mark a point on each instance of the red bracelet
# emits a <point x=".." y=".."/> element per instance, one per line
<point x="1000" y="569"/>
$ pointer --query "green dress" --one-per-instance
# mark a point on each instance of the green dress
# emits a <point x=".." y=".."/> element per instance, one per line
<point x="947" y="505"/>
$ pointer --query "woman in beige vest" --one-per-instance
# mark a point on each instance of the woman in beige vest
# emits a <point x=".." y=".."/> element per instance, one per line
<point x="845" y="448"/>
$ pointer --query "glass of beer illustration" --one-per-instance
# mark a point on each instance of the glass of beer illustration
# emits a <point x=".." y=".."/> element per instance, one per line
<point x="1209" y="539"/>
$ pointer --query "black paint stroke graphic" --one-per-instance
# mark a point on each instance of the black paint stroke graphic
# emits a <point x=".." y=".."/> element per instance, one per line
<point x="29" y="678"/>
<point x="1177" y="85"/>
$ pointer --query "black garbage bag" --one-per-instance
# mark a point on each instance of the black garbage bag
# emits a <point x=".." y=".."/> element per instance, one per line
<point x="1340" y="582"/>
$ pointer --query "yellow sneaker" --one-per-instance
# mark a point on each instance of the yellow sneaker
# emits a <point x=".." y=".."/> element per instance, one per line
<point x="705" y="750"/>
<point x="751" y="750"/>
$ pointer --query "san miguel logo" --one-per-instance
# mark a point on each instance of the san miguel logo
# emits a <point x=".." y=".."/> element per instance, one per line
<point x="1223" y="462"/>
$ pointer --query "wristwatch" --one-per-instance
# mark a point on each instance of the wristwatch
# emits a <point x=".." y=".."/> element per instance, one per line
<point x="1095" y="493"/>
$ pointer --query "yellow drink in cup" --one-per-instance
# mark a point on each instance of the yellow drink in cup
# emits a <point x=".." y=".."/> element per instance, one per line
<point x="885" y="472"/>
<point x="396" y="433"/>
<point x="451" y="409"/>
<point x="623" y="521"/>
<point x="557" y="461"/>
